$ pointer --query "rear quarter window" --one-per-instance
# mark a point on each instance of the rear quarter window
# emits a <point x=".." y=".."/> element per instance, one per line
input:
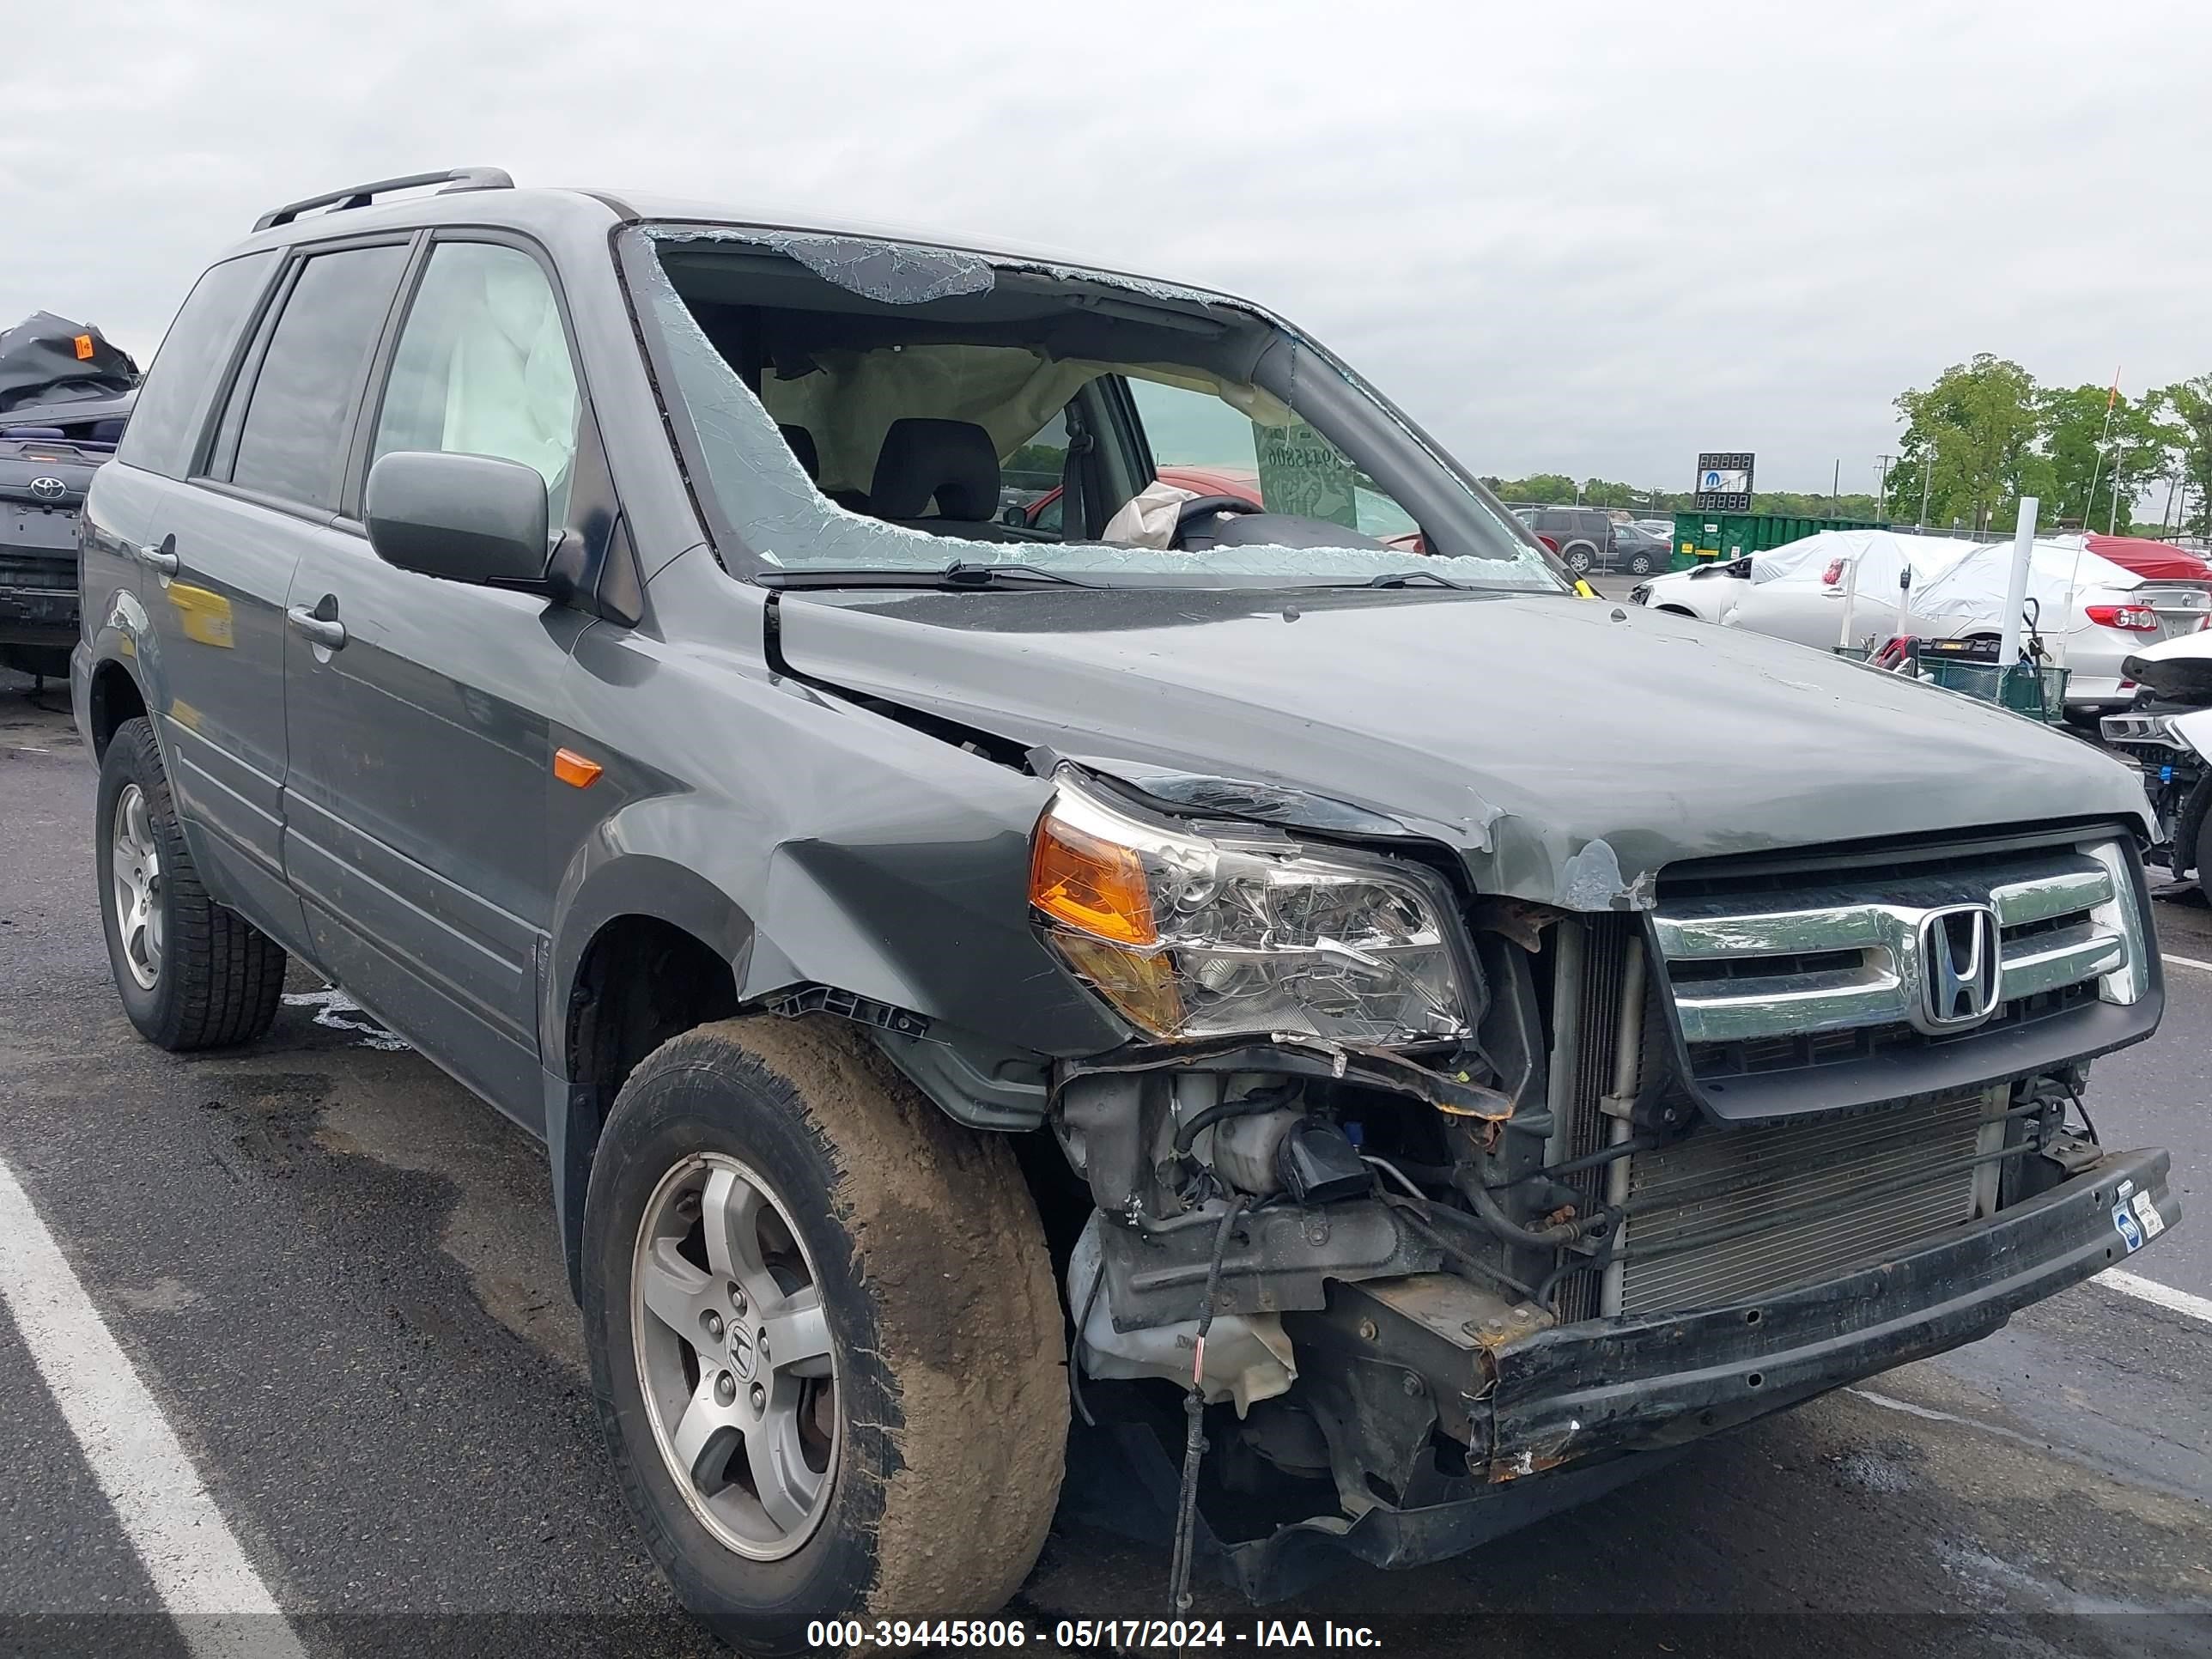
<point x="172" y="402"/>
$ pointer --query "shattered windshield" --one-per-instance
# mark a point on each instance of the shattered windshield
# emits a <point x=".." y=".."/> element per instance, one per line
<point x="860" y="407"/>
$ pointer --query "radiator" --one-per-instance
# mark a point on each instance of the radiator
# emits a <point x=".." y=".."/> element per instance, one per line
<point x="1756" y="1183"/>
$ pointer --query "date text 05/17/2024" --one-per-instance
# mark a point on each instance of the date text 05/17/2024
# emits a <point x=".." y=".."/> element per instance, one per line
<point x="1115" y="1635"/>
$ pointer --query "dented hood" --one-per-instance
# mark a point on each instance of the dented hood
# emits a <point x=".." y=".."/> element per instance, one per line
<point x="1568" y="749"/>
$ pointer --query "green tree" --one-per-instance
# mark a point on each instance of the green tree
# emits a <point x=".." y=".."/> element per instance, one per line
<point x="2090" y="463"/>
<point x="2191" y="403"/>
<point x="1975" y="428"/>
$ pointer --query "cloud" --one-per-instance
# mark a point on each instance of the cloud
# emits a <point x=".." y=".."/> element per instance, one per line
<point x="1589" y="238"/>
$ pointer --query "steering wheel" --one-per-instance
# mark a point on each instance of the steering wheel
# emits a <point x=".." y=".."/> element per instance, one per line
<point x="1206" y="506"/>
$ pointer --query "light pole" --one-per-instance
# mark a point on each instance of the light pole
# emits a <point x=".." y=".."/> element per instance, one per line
<point x="1881" y="490"/>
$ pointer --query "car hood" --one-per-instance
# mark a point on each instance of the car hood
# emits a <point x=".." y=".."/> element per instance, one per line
<point x="1568" y="749"/>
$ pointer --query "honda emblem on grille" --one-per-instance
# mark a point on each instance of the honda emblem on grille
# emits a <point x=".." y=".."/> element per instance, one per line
<point x="1959" y="951"/>
<point x="49" y="489"/>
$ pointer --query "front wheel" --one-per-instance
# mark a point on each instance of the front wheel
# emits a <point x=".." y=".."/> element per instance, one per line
<point x="192" y="974"/>
<point x="1579" y="560"/>
<point x="826" y="1344"/>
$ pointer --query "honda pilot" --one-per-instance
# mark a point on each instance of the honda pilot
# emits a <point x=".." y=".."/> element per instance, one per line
<point x="1189" y="969"/>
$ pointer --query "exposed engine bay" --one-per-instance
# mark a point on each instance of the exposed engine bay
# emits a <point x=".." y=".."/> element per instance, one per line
<point x="1398" y="1277"/>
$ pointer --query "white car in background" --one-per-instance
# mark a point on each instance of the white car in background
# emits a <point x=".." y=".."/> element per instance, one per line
<point x="2091" y="611"/>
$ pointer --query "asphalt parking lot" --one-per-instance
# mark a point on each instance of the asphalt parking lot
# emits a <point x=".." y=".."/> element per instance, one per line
<point x="335" y="1276"/>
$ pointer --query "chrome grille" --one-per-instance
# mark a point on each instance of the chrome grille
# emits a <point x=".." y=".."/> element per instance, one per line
<point x="1791" y="1203"/>
<point x="1794" y="958"/>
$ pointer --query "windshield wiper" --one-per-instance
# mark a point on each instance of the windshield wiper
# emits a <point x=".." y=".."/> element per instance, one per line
<point x="977" y="573"/>
<point x="960" y="574"/>
<point x="1406" y="578"/>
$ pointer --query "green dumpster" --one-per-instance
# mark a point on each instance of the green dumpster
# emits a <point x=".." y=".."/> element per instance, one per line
<point x="1701" y="538"/>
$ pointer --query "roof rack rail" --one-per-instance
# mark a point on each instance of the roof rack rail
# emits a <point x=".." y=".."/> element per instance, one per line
<point x="354" y="195"/>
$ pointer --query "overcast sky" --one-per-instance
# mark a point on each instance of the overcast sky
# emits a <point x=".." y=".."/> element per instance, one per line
<point x="1587" y="238"/>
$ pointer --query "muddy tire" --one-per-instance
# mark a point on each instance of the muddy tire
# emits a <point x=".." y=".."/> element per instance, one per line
<point x="192" y="974"/>
<point x="898" y="1457"/>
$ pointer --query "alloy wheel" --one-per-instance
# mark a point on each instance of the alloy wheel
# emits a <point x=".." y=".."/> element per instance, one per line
<point x="136" y="887"/>
<point x="734" y="1356"/>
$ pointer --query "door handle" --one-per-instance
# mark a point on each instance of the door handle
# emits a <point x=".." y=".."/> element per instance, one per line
<point x="325" y="631"/>
<point x="160" y="558"/>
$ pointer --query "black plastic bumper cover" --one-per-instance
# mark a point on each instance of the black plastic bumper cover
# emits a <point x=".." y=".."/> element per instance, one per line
<point x="1588" y="1395"/>
<point x="1613" y="1385"/>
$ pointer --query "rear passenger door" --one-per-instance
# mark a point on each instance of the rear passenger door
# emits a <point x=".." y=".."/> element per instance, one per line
<point x="418" y="708"/>
<point x="222" y="548"/>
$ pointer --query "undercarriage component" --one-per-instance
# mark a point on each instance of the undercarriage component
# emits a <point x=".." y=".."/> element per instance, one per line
<point x="1392" y="1366"/>
<point x="1246" y="1357"/>
<point x="1279" y="1258"/>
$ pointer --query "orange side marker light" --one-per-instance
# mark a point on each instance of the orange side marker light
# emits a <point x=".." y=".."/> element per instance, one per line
<point x="572" y="768"/>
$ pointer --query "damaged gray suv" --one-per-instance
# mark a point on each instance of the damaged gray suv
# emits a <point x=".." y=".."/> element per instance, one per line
<point x="1014" y="999"/>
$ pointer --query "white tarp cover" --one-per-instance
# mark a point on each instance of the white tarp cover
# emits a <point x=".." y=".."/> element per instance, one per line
<point x="1951" y="578"/>
<point x="1879" y="554"/>
<point x="1974" y="589"/>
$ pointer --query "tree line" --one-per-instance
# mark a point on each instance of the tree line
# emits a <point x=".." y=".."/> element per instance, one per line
<point x="1981" y="436"/>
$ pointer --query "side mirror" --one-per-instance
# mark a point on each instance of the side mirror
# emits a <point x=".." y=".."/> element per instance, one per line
<point x="1012" y="514"/>
<point x="463" y="518"/>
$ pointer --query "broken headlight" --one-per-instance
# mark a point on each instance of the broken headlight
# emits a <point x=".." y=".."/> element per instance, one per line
<point x="1240" y="930"/>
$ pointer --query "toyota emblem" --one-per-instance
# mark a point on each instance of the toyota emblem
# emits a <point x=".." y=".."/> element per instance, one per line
<point x="49" y="489"/>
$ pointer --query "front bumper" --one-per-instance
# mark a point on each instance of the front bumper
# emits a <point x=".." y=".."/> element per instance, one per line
<point x="1575" y="1391"/>
<point x="1557" y="1413"/>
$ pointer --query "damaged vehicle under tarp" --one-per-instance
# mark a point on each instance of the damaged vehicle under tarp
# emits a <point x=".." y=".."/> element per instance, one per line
<point x="65" y="394"/>
<point x="994" y="936"/>
<point x="1493" y="1100"/>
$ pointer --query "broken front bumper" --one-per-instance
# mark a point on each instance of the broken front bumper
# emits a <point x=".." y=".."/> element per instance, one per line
<point x="1611" y="1385"/>
<point x="1550" y="1413"/>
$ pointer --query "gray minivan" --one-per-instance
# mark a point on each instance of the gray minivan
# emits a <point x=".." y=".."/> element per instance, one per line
<point x="1191" y="975"/>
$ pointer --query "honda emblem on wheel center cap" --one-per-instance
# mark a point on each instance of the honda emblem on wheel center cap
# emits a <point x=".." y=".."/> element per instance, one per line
<point x="741" y="1351"/>
<point x="1960" y="951"/>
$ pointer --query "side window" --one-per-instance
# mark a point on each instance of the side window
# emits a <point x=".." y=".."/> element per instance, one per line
<point x="171" y="407"/>
<point x="1200" y="441"/>
<point x="484" y="368"/>
<point x="299" y="414"/>
<point x="1035" y="470"/>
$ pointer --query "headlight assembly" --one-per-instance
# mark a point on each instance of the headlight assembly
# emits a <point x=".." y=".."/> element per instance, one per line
<point x="1236" y="932"/>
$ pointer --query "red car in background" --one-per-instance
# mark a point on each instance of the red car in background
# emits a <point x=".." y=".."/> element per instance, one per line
<point x="2159" y="561"/>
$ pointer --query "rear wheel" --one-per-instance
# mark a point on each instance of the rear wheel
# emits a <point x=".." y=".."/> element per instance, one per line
<point x="1580" y="559"/>
<point x="826" y="1343"/>
<point x="1640" y="564"/>
<point x="192" y="974"/>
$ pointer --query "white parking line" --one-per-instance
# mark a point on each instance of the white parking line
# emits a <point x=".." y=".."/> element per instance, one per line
<point x="2184" y="962"/>
<point x="206" y="1583"/>
<point x="2163" y="1296"/>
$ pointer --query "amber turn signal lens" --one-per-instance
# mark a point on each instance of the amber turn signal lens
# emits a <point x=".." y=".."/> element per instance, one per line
<point x="1091" y="885"/>
<point x="573" y="769"/>
<point x="1143" y="988"/>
